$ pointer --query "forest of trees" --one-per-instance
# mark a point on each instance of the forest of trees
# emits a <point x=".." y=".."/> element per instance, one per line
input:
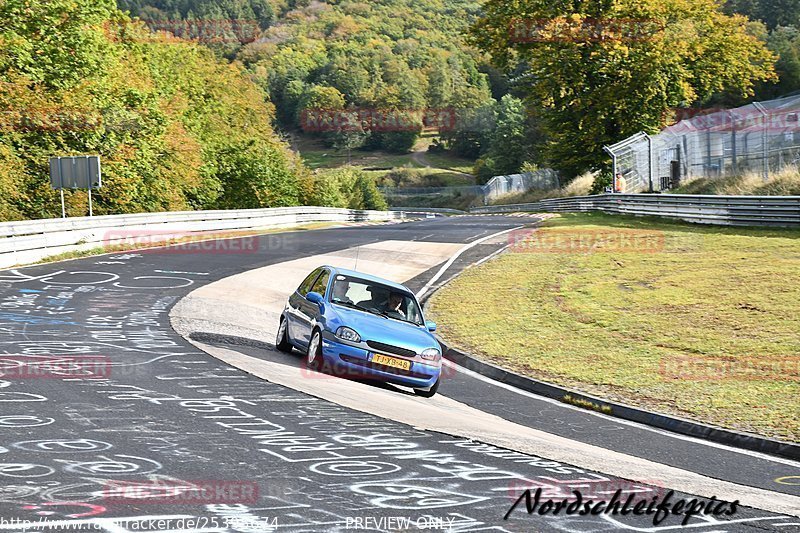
<point x="188" y="114"/>
<point x="379" y="56"/>
<point x="518" y="104"/>
<point x="176" y="127"/>
<point x="618" y="68"/>
<point x="781" y="32"/>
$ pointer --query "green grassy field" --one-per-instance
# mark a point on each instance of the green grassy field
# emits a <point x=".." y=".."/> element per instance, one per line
<point x="445" y="170"/>
<point x="700" y="322"/>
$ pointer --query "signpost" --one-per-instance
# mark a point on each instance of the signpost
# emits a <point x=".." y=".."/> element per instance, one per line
<point x="79" y="172"/>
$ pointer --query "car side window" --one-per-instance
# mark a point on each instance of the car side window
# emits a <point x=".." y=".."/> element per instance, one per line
<point x="321" y="284"/>
<point x="305" y="287"/>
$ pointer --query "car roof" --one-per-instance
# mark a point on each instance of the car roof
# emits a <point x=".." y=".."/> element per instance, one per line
<point x="367" y="277"/>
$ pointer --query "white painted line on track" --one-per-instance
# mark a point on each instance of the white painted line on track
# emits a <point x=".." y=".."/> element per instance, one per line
<point x="452" y="260"/>
<point x="630" y="423"/>
<point x="491" y="256"/>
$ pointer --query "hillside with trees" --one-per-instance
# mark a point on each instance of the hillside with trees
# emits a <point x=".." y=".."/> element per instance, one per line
<point x="176" y="127"/>
<point x="188" y="103"/>
<point x="351" y="58"/>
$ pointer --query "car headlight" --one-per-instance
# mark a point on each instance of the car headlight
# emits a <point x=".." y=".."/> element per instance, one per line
<point x="348" y="334"/>
<point x="430" y="354"/>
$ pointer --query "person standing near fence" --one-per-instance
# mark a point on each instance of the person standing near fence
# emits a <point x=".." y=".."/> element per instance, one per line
<point x="619" y="183"/>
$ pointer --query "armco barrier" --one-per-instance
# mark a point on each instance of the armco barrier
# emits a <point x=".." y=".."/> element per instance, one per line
<point x="28" y="241"/>
<point x="780" y="211"/>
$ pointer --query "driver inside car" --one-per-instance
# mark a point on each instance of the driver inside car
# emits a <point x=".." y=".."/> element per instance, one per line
<point x="394" y="306"/>
<point x="377" y="299"/>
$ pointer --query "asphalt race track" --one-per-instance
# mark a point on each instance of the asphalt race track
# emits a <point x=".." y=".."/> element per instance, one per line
<point x="159" y="413"/>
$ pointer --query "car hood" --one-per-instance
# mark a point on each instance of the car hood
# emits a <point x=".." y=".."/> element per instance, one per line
<point x="376" y="328"/>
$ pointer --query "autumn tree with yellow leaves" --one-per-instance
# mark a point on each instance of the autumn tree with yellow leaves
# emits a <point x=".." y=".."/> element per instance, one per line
<point x="596" y="72"/>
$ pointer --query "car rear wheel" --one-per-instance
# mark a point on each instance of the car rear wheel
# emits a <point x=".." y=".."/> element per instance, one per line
<point x="428" y="393"/>
<point x="314" y="357"/>
<point x="282" y="339"/>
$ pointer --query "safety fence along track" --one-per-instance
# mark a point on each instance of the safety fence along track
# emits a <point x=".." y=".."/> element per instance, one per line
<point x="781" y="211"/>
<point x="29" y="241"/>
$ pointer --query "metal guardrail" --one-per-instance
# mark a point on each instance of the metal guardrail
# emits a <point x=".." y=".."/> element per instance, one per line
<point x="779" y="211"/>
<point x="428" y="210"/>
<point x="28" y="241"/>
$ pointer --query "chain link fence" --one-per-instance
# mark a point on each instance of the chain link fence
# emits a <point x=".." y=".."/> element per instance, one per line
<point x="762" y="138"/>
<point x="544" y="179"/>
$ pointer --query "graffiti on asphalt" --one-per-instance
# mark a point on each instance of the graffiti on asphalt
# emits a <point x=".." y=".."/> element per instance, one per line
<point x="167" y="413"/>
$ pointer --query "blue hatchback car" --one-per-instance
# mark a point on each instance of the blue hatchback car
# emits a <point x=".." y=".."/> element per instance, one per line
<point x="363" y="326"/>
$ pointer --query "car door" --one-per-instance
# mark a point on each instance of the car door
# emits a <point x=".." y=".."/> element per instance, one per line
<point x="309" y="311"/>
<point x="296" y="301"/>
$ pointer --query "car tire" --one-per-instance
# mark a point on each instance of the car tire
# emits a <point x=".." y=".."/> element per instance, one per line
<point x="314" y="358"/>
<point x="429" y="393"/>
<point x="282" y="339"/>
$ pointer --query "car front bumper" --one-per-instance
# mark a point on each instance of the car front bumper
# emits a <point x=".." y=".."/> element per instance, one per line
<point x="355" y="362"/>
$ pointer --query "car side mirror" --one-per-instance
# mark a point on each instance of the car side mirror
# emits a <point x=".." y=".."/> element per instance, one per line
<point x="431" y="325"/>
<point x="315" y="297"/>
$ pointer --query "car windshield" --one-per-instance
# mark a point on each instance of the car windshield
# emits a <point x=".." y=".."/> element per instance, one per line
<point x="376" y="298"/>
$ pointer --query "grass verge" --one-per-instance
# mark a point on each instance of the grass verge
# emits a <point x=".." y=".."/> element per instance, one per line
<point x="786" y="182"/>
<point x="699" y="322"/>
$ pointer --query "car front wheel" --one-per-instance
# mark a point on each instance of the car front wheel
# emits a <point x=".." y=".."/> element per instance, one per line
<point x="314" y="353"/>
<point x="282" y="339"/>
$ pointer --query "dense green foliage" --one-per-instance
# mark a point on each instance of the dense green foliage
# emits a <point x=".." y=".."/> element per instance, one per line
<point x="773" y="13"/>
<point x="224" y="25"/>
<point x="353" y="62"/>
<point x="381" y="55"/>
<point x="259" y="11"/>
<point x="347" y="187"/>
<point x="781" y="32"/>
<point x="591" y="91"/>
<point x="175" y="127"/>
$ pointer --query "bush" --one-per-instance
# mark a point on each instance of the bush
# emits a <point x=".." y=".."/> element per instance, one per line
<point x="352" y="187"/>
<point x="176" y="128"/>
<point x="602" y="181"/>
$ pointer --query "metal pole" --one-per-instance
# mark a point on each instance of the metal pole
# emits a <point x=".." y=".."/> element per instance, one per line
<point x="90" y="199"/>
<point x="734" y="165"/>
<point x="650" y="161"/>
<point x="764" y="137"/>
<point x="613" y="168"/>
<point x="61" y="189"/>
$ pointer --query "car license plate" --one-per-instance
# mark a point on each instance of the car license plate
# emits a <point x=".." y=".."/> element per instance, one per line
<point x="391" y="361"/>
